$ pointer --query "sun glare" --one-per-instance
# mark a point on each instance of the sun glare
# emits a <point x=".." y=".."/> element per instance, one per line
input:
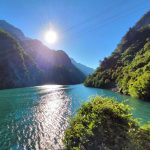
<point x="51" y="37"/>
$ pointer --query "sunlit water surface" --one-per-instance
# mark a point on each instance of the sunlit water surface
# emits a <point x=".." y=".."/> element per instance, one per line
<point x="36" y="117"/>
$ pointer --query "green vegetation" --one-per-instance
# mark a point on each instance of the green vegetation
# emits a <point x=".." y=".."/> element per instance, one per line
<point x="27" y="62"/>
<point x="17" y="68"/>
<point x="128" y="68"/>
<point x="106" y="124"/>
<point x="135" y="79"/>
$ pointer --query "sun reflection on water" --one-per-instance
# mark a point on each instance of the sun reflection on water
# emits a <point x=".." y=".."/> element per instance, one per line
<point x="36" y="120"/>
<point x="36" y="117"/>
<point x="51" y="117"/>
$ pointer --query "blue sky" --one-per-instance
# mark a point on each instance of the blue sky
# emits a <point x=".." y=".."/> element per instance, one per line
<point x="88" y="30"/>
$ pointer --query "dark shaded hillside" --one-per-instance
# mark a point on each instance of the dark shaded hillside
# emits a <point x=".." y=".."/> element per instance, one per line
<point x="15" y="32"/>
<point x="143" y="21"/>
<point x="17" y="69"/>
<point x="43" y="56"/>
<point x="56" y="65"/>
<point x="128" y="68"/>
<point x="37" y="64"/>
<point x="86" y="70"/>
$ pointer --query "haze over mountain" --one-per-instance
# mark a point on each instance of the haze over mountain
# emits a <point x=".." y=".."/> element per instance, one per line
<point x="28" y="62"/>
<point x="86" y="70"/>
<point x="128" y="68"/>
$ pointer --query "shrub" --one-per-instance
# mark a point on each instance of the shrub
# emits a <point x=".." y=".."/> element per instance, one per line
<point x="104" y="123"/>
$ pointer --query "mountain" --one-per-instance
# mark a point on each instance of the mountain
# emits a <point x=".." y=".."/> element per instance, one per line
<point x="17" y="67"/>
<point x="127" y="70"/>
<point x="145" y="20"/>
<point x="86" y="70"/>
<point x="28" y="62"/>
<point x="56" y="65"/>
<point x="15" y="32"/>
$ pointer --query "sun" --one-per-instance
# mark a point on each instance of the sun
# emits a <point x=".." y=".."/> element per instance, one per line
<point x="51" y="37"/>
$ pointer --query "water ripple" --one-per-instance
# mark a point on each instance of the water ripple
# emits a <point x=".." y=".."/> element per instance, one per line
<point x="38" y="121"/>
<point x="35" y="118"/>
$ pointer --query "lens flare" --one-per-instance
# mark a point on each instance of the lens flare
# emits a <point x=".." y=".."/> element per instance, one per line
<point x="51" y="37"/>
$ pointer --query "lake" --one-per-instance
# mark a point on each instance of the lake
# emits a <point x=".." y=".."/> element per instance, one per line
<point x="36" y="117"/>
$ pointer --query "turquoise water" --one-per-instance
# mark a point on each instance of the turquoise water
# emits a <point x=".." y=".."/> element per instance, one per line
<point x="36" y="117"/>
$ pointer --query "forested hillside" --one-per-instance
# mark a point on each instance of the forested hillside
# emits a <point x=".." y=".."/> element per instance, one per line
<point x="28" y="62"/>
<point x="17" y="68"/>
<point x="128" y="68"/>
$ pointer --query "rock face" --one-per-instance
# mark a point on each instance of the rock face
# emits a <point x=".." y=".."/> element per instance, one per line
<point x="86" y="70"/>
<point x="27" y="62"/>
<point x="128" y="68"/>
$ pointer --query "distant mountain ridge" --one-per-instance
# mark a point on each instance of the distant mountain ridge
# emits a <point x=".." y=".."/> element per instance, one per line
<point x="40" y="65"/>
<point x="127" y="70"/>
<point x="86" y="70"/>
